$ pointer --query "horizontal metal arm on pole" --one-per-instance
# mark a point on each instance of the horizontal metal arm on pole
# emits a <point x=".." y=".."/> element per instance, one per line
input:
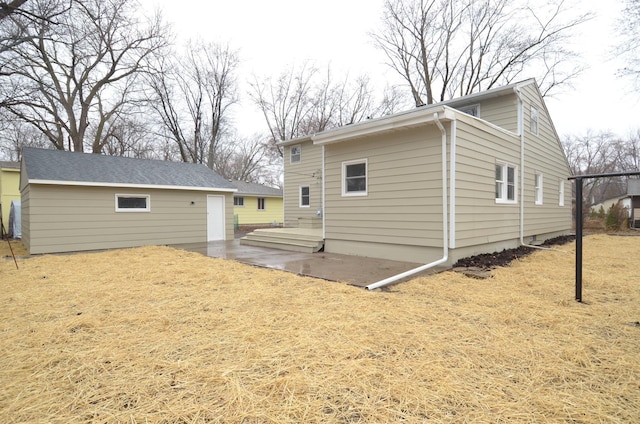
<point x="610" y="174"/>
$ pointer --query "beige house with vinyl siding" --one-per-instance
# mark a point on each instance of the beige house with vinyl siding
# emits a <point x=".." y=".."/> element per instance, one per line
<point x="78" y="201"/>
<point x="472" y="175"/>
<point x="302" y="194"/>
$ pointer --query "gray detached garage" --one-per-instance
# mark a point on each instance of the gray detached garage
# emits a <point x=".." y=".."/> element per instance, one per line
<point x="80" y="201"/>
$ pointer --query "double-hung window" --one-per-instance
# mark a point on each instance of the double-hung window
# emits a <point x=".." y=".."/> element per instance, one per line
<point x="505" y="183"/>
<point x="133" y="203"/>
<point x="538" y="189"/>
<point x="354" y="178"/>
<point x="534" y="120"/>
<point x="295" y="153"/>
<point x="305" y="197"/>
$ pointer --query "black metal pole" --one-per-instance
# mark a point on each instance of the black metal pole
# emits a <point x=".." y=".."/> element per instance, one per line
<point x="579" y="239"/>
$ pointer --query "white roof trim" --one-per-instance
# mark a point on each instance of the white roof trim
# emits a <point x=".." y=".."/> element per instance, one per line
<point x="385" y="124"/>
<point x="126" y="185"/>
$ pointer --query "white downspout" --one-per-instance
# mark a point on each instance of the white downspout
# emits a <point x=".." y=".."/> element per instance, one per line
<point x="323" y="204"/>
<point x="445" y="247"/>
<point x="452" y="187"/>
<point x="521" y="131"/>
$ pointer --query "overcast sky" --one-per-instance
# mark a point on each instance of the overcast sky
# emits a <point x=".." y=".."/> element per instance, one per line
<point x="273" y="35"/>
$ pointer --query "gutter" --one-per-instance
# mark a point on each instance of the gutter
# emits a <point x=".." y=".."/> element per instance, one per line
<point x="445" y="246"/>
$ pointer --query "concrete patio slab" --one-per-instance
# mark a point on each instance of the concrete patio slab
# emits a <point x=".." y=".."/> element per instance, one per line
<point x="354" y="270"/>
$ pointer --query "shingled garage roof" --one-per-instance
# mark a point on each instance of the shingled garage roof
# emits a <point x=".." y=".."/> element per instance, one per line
<point x="254" y="189"/>
<point x="60" y="167"/>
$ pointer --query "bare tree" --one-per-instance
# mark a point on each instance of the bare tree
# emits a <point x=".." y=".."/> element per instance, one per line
<point x="12" y="7"/>
<point x="598" y="153"/>
<point x="286" y="102"/>
<point x="448" y="48"/>
<point x="16" y="134"/>
<point x="192" y="96"/>
<point x="629" y="48"/>
<point x="300" y="102"/>
<point x="78" y="68"/>
<point x="248" y="159"/>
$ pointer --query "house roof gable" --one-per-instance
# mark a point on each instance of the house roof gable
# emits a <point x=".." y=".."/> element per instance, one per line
<point x="416" y="116"/>
<point x="47" y="166"/>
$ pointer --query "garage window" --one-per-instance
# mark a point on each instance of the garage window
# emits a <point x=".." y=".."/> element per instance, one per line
<point x="133" y="203"/>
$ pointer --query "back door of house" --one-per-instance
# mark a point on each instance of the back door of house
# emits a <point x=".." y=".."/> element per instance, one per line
<point x="215" y="218"/>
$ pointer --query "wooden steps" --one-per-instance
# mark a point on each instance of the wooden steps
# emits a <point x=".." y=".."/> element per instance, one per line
<point x="305" y="240"/>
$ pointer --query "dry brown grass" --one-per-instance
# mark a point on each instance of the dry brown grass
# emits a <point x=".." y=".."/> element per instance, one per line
<point x="160" y="335"/>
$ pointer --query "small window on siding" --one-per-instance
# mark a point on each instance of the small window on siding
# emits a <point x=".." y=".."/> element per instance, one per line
<point x="296" y="153"/>
<point x="505" y="183"/>
<point x="305" y="197"/>
<point x="473" y="110"/>
<point x="561" y="194"/>
<point x="133" y="203"/>
<point x="238" y="201"/>
<point x="262" y="203"/>
<point x="534" y="120"/>
<point x="354" y="178"/>
<point x="538" y="189"/>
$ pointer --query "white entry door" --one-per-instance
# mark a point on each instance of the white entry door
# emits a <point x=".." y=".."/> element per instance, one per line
<point x="215" y="218"/>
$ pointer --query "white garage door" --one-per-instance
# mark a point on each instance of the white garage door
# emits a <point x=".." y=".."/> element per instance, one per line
<point x="215" y="218"/>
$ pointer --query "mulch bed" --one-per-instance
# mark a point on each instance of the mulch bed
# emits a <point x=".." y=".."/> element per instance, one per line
<point x="488" y="261"/>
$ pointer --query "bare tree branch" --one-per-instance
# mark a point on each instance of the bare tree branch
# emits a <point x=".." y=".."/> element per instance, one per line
<point x="457" y="47"/>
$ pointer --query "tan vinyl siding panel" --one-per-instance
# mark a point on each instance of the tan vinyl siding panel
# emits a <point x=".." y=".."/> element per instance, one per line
<point x="479" y="219"/>
<point x="72" y="218"/>
<point x="307" y="172"/>
<point x="501" y="111"/>
<point x="544" y="154"/>
<point x="404" y="200"/>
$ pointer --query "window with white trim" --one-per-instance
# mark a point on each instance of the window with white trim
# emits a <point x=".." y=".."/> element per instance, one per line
<point x="238" y="201"/>
<point x="305" y="197"/>
<point x="295" y="153"/>
<point x="538" y="188"/>
<point x="561" y="193"/>
<point x="534" y="120"/>
<point x="133" y="203"/>
<point x="505" y="183"/>
<point x="354" y="178"/>
<point x="262" y="203"/>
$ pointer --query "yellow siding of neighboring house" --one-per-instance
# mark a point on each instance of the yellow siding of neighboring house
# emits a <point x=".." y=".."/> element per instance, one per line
<point x="9" y="191"/>
<point x="250" y="215"/>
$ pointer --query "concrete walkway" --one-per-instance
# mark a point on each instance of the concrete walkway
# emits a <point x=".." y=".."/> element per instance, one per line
<point x="354" y="270"/>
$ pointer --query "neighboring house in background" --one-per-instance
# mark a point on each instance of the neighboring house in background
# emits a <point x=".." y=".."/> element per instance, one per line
<point x="624" y="201"/>
<point x="81" y="201"/>
<point x="257" y="205"/>
<point x="630" y="202"/>
<point x="633" y="191"/>
<point x="440" y="182"/>
<point x="9" y="188"/>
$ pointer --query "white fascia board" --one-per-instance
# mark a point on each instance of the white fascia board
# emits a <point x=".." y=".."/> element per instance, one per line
<point x="293" y="141"/>
<point x="381" y="125"/>
<point x="124" y="185"/>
